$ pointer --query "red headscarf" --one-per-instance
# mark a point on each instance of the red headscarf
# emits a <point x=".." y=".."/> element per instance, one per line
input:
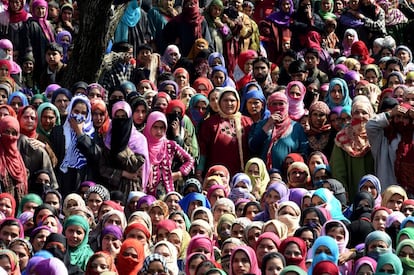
<point x="192" y="16"/>
<point x="246" y="56"/>
<point x="359" y="48"/>
<point x="4" y="62"/>
<point x="99" y="104"/>
<point x="20" y="15"/>
<point x="128" y="265"/>
<point x="13" y="203"/>
<point x="325" y="267"/>
<point x="12" y="113"/>
<point x="302" y="247"/>
<point x="175" y="103"/>
<point x="139" y="226"/>
<point x="203" y="81"/>
<point x="11" y="162"/>
<point x="32" y="133"/>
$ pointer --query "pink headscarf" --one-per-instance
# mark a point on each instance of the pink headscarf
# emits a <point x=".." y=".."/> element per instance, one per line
<point x="254" y="267"/>
<point x="158" y="146"/>
<point x="43" y="20"/>
<point x="296" y="106"/>
<point x="201" y="241"/>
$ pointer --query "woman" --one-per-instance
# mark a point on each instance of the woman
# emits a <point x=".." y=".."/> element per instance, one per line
<point x="154" y="264"/>
<point x="69" y="142"/>
<point x="125" y="152"/>
<point x="22" y="248"/>
<point x="131" y="257"/>
<point x="100" y="262"/>
<point x="161" y="156"/>
<point x="254" y="106"/>
<point x="371" y="184"/>
<point x="225" y="131"/>
<point x="295" y="93"/>
<point x="38" y="33"/>
<point x="9" y="262"/>
<point x="294" y="250"/>
<point x="351" y="158"/>
<point x="405" y="250"/>
<point x="220" y="77"/>
<point x="197" y="108"/>
<point x="320" y="135"/>
<point x="169" y="251"/>
<point x="324" y="197"/>
<point x="324" y="249"/>
<point x="389" y="263"/>
<point x="275" y="29"/>
<point x="100" y="119"/>
<point x="364" y="264"/>
<point x="377" y="239"/>
<point x="256" y="170"/>
<point x="338" y="94"/>
<point x="275" y="194"/>
<point x="393" y="197"/>
<point x="278" y="135"/>
<point x="13" y="174"/>
<point x="219" y="31"/>
<point x="12" y="21"/>
<point x="49" y="117"/>
<point x="16" y="100"/>
<point x="266" y="243"/>
<point x="76" y="229"/>
<point x="243" y="260"/>
<point x="273" y="263"/>
<point x="140" y="111"/>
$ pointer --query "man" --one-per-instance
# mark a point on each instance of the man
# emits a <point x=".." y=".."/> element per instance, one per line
<point x="261" y="73"/>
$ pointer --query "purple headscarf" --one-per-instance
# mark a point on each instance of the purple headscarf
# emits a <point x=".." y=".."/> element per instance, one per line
<point x="137" y="141"/>
<point x="148" y="199"/>
<point x="280" y="17"/>
<point x="113" y="230"/>
<point x="281" y="188"/>
<point x="296" y="195"/>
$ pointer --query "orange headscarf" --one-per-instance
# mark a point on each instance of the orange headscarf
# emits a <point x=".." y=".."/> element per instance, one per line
<point x="99" y="104"/>
<point x="128" y="265"/>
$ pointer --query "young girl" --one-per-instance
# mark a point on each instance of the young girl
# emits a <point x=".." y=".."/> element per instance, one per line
<point x="162" y="154"/>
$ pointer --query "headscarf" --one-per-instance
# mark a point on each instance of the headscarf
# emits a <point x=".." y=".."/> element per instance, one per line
<point x="65" y="45"/>
<point x="346" y="101"/>
<point x="32" y="133"/>
<point x="296" y="106"/>
<point x="192" y="17"/>
<point x="79" y="255"/>
<point x="29" y="198"/>
<point x="44" y="24"/>
<point x="11" y="161"/>
<point x="343" y="244"/>
<point x="195" y="115"/>
<point x="328" y="242"/>
<point x="201" y="241"/>
<point x="215" y="55"/>
<point x="150" y="259"/>
<point x="407" y="262"/>
<point x="298" y="261"/>
<point x="279" y="129"/>
<point x="378" y="236"/>
<point x="138" y="226"/>
<point x="296" y="195"/>
<point x="203" y="81"/>
<point x="19" y="15"/>
<point x="158" y="146"/>
<point x="293" y="268"/>
<point x="11" y="111"/>
<point x="345" y="45"/>
<point x="390" y="191"/>
<point x="122" y="134"/>
<point x="333" y="205"/>
<point x="228" y="82"/>
<point x="76" y="197"/>
<point x="19" y="94"/>
<point x="73" y="157"/>
<point x="166" y="58"/>
<point x="251" y="255"/>
<point x="263" y="174"/>
<point x="389" y="259"/>
<point x="40" y="110"/>
<point x="126" y="264"/>
<point x="280" y="17"/>
<point x="129" y="19"/>
<point x="255" y="94"/>
<point x="99" y="104"/>
<point x="13" y="259"/>
<point x="376" y="183"/>
<point x="291" y="221"/>
<point x="195" y="49"/>
<point x="12" y="202"/>
<point x="322" y="107"/>
<point x="364" y="261"/>
<point x="359" y="49"/>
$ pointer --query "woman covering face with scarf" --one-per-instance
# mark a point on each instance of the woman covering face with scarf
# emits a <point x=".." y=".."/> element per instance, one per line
<point x="278" y="135"/>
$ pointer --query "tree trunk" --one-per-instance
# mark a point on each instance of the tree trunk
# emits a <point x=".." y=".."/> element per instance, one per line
<point x="97" y="24"/>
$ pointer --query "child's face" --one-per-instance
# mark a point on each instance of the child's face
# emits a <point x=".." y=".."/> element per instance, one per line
<point x="28" y="67"/>
<point x="53" y="57"/>
<point x="53" y="12"/>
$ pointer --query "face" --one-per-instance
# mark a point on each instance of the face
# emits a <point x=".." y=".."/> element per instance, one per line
<point x="361" y="114"/>
<point x="181" y="79"/>
<point x="393" y="82"/>
<point x="3" y="99"/>
<point x="220" y="210"/>
<point x="272" y="197"/>
<point x="336" y="94"/>
<point x="371" y="77"/>
<point x="376" y="244"/>
<point x="51" y="223"/>
<point x="6" y="207"/>
<point x="158" y="129"/>
<point x="62" y="102"/>
<point x="218" y="79"/>
<point x="48" y="120"/>
<point x="307" y="236"/>
<point x="252" y="236"/>
<point x="254" y="106"/>
<point x="40" y="239"/>
<point x="156" y="215"/>
<point x="297" y="177"/>
<point x="117" y="96"/>
<point x="228" y="103"/>
<point x="110" y="242"/>
<point x="286" y="6"/>
<point x="193" y="265"/>
<point x="311" y="61"/>
<point x="94" y="202"/>
<point x="75" y="235"/>
<point x="21" y="253"/>
<point x="395" y="202"/>
<point x="292" y="251"/>
<point x="53" y="57"/>
<point x="179" y="220"/>
<point x="40" y="11"/>
<point x="241" y="263"/>
<point x="311" y="218"/>
<point x="265" y="246"/>
<point x="364" y="269"/>
<point x="260" y="70"/>
<point x="379" y="220"/>
<point x="9" y="233"/>
<point x="277" y="106"/>
<point x="406" y="252"/>
<point x="314" y="161"/>
<point x="16" y="103"/>
<point x="162" y="234"/>
<point x="161" y="104"/>
<point x="337" y="233"/>
<point x="213" y="99"/>
<point x="99" y="265"/>
<point x="172" y="203"/>
<point x="318" y="119"/>
<point x="274" y="266"/>
<point x="30" y="206"/>
<point x="217" y="194"/>
<point x="251" y="212"/>
<point x="143" y="87"/>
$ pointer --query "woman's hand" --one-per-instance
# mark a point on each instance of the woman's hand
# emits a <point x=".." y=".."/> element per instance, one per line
<point x="177" y="175"/>
<point x="175" y="126"/>
<point x="77" y="127"/>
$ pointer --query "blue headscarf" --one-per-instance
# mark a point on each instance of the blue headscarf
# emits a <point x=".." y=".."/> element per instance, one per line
<point x="328" y="242"/>
<point x="227" y="82"/>
<point x="346" y="100"/>
<point x="215" y="55"/>
<point x="59" y="91"/>
<point x="22" y="96"/>
<point x="378" y="236"/>
<point x="195" y="114"/>
<point x="333" y="205"/>
<point x="405" y="221"/>
<point x="131" y="17"/>
<point x="185" y="202"/>
<point x="376" y="183"/>
<point x="256" y="94"/>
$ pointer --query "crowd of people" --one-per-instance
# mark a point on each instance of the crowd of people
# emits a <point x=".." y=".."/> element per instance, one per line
<point x="265" y="137"/>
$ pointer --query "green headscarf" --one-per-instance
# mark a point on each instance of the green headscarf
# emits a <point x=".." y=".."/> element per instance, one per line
<point x="327" y="14"/>
<point x="407" y="263"/>
<point x="39" y="96"/>
<point x="391" y="259"/>
<point x="293" y="268"/>
<point x="212" y="270"/>
<point x="225" y="218"/>
<point x="29" y="198"/>
<point x="409" y="231"/>
<point x="40" y="110"/>
<point x="79" y="255"/>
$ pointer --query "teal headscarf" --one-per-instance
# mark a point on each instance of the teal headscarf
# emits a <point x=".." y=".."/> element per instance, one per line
<point x="79" y="255"/>
<point x="39" y="96"/>
<point x="131" y="17"/>
<point x="328" y="242"/>
<point x="407" y="262"/>
<point x="42" y="107"/>
<point x="346" y="100"/>
<point x="391" y="259"/>
<point x="29" y="198"/>
<point x="333" y="205"/>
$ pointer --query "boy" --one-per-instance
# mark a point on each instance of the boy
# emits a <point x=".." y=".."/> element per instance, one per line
<point x="55" y="70"/>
